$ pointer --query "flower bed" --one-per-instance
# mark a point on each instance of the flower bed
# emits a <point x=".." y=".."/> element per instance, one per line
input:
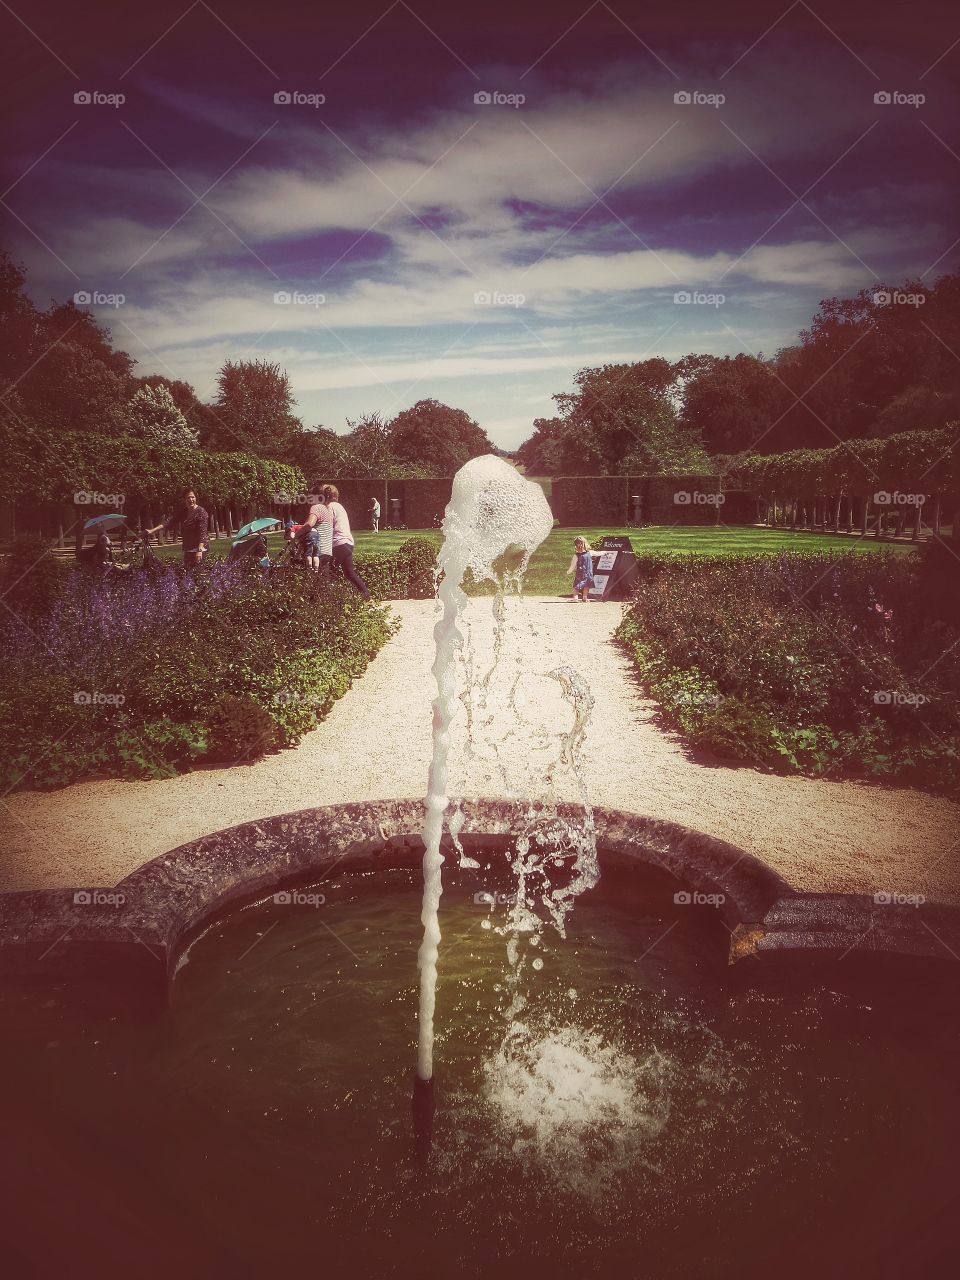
<point x="827" y="665"/>
<point x="149" y="674"/>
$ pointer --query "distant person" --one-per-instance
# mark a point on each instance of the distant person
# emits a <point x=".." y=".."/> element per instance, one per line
<point x="317" y="533"/>
<point x="343" y="540"/>
<point x="581" y="566"/>
<point x="374" y="515"/>
<point x="194" y="525"/>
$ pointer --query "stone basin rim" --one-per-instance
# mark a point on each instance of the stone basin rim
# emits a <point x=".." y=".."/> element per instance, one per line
<point x="166" y="902"/>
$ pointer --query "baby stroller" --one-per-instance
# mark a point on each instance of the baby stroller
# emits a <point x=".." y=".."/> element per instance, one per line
<point x="250" y="552"/>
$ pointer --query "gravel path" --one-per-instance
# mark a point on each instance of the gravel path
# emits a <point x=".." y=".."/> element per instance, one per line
<point x="375" y="744"/>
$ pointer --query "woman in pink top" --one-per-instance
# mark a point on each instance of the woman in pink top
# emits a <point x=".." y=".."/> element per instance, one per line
<point x="343" y="539"/>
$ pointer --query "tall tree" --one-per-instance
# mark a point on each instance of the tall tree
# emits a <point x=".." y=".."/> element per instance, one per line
<point x="622" y="419"/>
<point x="731" y="403"/>
<point x="437" y="438"/>
<point x="154" y="416"/>
<point x="253" y="410"/>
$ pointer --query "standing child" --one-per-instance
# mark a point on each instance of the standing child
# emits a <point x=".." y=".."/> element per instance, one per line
<point x="317" y="534"/>
<point x="581" y="566"/>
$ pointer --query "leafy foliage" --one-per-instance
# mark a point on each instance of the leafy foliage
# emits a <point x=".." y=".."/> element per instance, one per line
<point x="154" y="417"/>
<point x="620" y="420"/>
<point x="145" y="675"/>
<point x="822" y="664"/>
<point x="407" y="574"/>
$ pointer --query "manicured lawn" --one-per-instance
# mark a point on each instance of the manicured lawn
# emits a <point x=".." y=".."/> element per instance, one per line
<point x="547" y="574"/>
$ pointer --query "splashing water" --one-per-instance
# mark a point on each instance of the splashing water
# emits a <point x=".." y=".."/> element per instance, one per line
<point x="583" y="1108"/>
<point x="494" y="522"/>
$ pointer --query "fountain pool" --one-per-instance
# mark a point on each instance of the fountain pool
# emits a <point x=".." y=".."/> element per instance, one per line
<point x="647" y="1118"/>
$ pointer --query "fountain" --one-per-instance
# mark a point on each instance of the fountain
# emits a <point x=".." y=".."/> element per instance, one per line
<point x="670" y="1082"/>
<point x="494" y="513"/>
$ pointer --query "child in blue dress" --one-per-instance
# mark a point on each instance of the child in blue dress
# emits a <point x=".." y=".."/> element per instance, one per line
<point x="581" y="566"/>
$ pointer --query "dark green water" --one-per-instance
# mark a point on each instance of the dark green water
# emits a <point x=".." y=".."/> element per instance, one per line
<point x="649" y="1121"/>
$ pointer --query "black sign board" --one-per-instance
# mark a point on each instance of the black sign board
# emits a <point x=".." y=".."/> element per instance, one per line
<point x="614" y="569"/>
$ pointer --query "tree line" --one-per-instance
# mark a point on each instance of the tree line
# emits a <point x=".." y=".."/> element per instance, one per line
<point x="64" y="388"/>
<point x="882" y="362"/>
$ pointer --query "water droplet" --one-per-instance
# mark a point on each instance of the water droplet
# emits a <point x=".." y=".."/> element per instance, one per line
<point x="538" y="963"/>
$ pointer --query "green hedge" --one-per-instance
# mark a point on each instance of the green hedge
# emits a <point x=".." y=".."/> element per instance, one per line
<point x="150" y="675"/>
<point x="407" y="574"/>
<point x="835" y="664"/>
<point x="39" y="469"/>
<point x="911" y="461"/>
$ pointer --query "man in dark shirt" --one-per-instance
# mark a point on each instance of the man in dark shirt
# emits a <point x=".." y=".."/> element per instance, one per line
<point x="194" y="524"/>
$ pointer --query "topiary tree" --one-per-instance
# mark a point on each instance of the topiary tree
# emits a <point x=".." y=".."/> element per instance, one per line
<point x="154" y="417"/>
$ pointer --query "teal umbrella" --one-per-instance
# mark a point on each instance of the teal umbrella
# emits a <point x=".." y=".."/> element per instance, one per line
<point x="255" y="526"/>
<point x="103" y="522"/>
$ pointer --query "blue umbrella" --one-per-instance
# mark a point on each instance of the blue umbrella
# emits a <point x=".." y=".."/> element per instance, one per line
<point x="255" y="526"/>
<point x="104" y="522"/>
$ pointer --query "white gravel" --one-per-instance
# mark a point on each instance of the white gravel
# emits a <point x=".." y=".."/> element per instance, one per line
<point x="375" y="744"/>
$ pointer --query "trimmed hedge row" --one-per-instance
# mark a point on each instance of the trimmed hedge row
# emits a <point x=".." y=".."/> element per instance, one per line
<point x="40" y="470"/>
<point x="834" y="664"/>
<point x="148" y="674"/>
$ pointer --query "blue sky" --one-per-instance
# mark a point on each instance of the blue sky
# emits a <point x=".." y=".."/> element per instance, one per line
<point x="580" y="212"/>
